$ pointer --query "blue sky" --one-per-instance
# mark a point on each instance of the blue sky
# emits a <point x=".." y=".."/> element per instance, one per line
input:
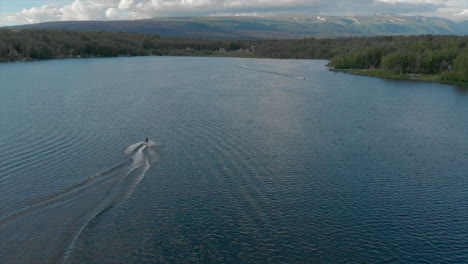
<point x="33" y="11"/>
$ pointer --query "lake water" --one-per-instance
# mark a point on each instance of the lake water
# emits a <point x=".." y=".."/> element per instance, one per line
<point x="249" y="161"/>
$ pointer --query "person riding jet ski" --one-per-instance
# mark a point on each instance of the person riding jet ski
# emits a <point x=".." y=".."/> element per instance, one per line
<point x="145" y="142"/>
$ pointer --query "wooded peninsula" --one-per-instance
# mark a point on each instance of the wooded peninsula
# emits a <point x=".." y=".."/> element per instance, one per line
<point x="437" y="58"/>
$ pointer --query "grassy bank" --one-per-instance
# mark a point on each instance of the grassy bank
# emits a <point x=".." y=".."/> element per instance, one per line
<point x="390" y="75"/>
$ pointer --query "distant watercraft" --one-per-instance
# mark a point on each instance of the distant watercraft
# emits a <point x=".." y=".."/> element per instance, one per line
<point x="146" y="141"/>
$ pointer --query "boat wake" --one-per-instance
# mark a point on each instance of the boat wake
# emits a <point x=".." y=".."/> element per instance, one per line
<point x="276" y="73"/>
<point x="46" y="231"/>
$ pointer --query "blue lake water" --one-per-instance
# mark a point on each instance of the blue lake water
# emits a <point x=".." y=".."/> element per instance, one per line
<point x="250" y="161"/>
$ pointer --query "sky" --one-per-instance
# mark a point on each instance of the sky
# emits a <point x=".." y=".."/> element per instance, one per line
<point x="14" y="12"/>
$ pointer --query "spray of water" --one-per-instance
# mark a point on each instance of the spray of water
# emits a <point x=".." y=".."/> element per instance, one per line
<point x="46" y="231"/>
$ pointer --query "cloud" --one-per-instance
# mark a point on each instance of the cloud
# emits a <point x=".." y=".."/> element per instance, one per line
<point x="86" y="10"/>
<point x="125" y="4"/>
<point x="434" y="2"/>
<point x="235" y="14"/>
<point x="78" y="10"/>
<point x="463" y="13"/>
<point x="137" y="9"/>
<point x="113" y="14"/>
<point x="34" y="15"/>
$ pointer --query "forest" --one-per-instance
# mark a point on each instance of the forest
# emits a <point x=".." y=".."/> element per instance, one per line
<point x="443" y="56"/>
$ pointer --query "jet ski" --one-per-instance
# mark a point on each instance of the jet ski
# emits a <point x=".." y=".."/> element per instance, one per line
<point x="146" y="142"/>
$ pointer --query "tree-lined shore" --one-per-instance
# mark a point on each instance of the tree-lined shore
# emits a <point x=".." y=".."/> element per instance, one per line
<point x="424" y="57"/>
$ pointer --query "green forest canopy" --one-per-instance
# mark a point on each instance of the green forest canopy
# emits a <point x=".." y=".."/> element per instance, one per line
<point x="424" y="54"/>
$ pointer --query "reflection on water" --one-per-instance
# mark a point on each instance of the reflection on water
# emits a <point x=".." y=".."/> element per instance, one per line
<point x="461" y="89"/>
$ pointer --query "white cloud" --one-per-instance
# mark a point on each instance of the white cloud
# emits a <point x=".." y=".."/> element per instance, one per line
<point x="113" y="14"/>
<point x="78" y="10"/>
<point x="87" y="10"/>
<point x="268" y="3"/>
<point x="254" y="14"/>
<point x="125" y="4"/>
<point x="414" y="1"/>
<point x="463" y="13"/>
<point x="34" y="15"/>
<point x="136" y="9"/>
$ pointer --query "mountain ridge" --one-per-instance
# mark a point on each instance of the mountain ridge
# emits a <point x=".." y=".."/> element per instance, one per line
<point x="279" y="27"/>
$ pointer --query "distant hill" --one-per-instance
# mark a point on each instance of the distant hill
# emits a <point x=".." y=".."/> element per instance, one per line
<point x="284" y="27"/>
<point x="463" y="27"/>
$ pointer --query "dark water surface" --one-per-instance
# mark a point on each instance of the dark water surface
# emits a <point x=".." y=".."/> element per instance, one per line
<point x="252" y="161"/>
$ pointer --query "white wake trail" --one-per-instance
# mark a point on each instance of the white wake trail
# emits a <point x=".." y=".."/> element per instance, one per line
<point x="46" y="231"/>
<point x="275" y="73"/>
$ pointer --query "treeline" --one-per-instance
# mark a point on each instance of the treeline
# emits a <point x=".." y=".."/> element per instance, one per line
<point x="32" y="44"/>
<point x="428" y="54"/>
<point x="425" y="54"/>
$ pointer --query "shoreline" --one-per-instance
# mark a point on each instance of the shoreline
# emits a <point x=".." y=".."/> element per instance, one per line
<point x="378" y="73"/>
